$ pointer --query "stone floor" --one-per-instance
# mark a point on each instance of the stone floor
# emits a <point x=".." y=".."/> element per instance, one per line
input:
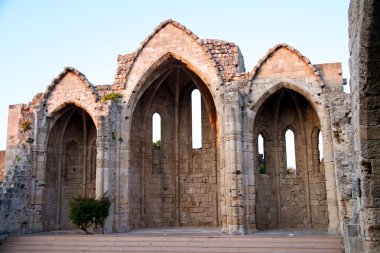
<point x="184" y="239"/>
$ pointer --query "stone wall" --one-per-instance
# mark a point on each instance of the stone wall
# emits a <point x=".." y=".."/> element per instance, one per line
<point x="364" y="23"/>
<point x="177" y="183"/>
<point x="197" y="173"/>
<point x="16" y="189"/>
<point x="71" y="166"/>
<point x="289" y="200"/>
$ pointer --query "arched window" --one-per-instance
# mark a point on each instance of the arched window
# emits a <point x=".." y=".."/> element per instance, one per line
<point x="261" y="154"/>
<point x="320" y="146"/>
<point x="156" y="131"/>
<point x="196" y="119"/>
<point x="316" y="149"/>
<point x="290" y="151"/>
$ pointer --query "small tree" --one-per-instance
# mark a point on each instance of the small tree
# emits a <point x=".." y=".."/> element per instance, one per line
<point x="156" y="144"/>
<point x="85" y="212"/>
<point x="291" y="171"/>
<point x="261" y="169"/>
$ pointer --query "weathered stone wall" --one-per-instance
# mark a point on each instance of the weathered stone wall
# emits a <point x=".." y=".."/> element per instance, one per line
<point x="15" y="190"/>
<point x="2" y="165"/>
<point x="177" y="183"/>
<point x="292" y="71"/>
<point x="364" y="23"/>
<point x="70" y="169"/>
<point x="197" y="174"/>
<point x="300" y="198"/>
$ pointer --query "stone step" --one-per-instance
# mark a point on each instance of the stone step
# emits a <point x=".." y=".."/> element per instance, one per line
<point x="119" y="243"/>
<point x="126" y="237"/>
<point x="240" y="244"/>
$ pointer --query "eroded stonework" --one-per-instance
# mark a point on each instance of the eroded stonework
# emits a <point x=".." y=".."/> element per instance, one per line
<point x="80" y="143"/>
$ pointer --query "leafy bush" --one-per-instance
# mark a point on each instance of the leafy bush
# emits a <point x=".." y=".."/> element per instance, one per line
<point x="291" y="171"/>
<point x="261" y="169"/>
<point x="156" y="144"/>
<point x="114" y="96"/>
<point x="85" y="212"/>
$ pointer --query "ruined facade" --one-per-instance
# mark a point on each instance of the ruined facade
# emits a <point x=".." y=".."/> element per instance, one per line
<point x="77" y="138"/>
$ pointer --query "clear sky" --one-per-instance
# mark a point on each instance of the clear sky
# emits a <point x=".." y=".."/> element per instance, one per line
<point x="39" y="38"/>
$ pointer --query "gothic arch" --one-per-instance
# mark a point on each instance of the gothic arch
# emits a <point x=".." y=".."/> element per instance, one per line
<point x="69" y="163"/>
<point x="271" y="53"/>
<point x="166" y="88"/>
<point x="154" y="71"/>
<point x="188" y="38"/>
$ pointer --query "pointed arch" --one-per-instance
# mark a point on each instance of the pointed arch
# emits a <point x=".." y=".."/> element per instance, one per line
<point x="162" y="65"/>
<point x="62" y="75"/>
<point x="315" y="101"/>
<point x="134" y="57"/>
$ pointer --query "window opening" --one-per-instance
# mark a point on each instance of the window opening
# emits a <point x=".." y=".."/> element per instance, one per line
<point x="290" y="151"/>
<point x="320" y="146"/>
<point x="196" y="119"/>
<point x="261" y="153"/>
<point x="156" y="129"/>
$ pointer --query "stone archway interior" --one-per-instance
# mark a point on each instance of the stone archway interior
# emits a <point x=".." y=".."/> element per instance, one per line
<point x="70" y="165"/>
<point x="289" y="197"/>
<point x="176" y="184"/>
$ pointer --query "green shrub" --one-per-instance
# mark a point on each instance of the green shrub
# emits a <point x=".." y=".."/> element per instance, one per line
<point x="261" y="169"/>
<point x="291" y="171"/>
<point x="85" y="212"/>
<point x="156" y="144"/>
<point x="114" y="96"/>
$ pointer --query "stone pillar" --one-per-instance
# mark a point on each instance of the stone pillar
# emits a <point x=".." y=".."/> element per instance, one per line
<point x="103" y="170"/>
<point x="330" y="176"/>
<point x="234" y="165"/>
<point x="38" y="185"/>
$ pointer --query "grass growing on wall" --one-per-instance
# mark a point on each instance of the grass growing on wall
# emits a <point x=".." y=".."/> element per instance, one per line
<point x="114" y="96"/>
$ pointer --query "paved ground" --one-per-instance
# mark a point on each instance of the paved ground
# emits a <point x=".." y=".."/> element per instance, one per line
<point x="175" y="240"/>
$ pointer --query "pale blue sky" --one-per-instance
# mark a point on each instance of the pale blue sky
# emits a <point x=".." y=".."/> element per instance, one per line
<point x="39" y="38"/>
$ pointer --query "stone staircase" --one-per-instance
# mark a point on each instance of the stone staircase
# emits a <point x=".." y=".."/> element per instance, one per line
<point x="171" y="243"/>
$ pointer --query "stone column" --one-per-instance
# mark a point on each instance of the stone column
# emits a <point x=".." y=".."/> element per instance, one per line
<point x="103" y="173"/>
<point x="37" y="185"/>
<point x="234" y="191"/>
<point x="330" y="174"/>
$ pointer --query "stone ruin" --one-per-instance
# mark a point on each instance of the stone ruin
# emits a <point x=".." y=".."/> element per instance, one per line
<point x="77" y="138"/>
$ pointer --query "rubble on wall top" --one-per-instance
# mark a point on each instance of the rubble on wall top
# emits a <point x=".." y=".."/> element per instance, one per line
<point x="226" y="54"/>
